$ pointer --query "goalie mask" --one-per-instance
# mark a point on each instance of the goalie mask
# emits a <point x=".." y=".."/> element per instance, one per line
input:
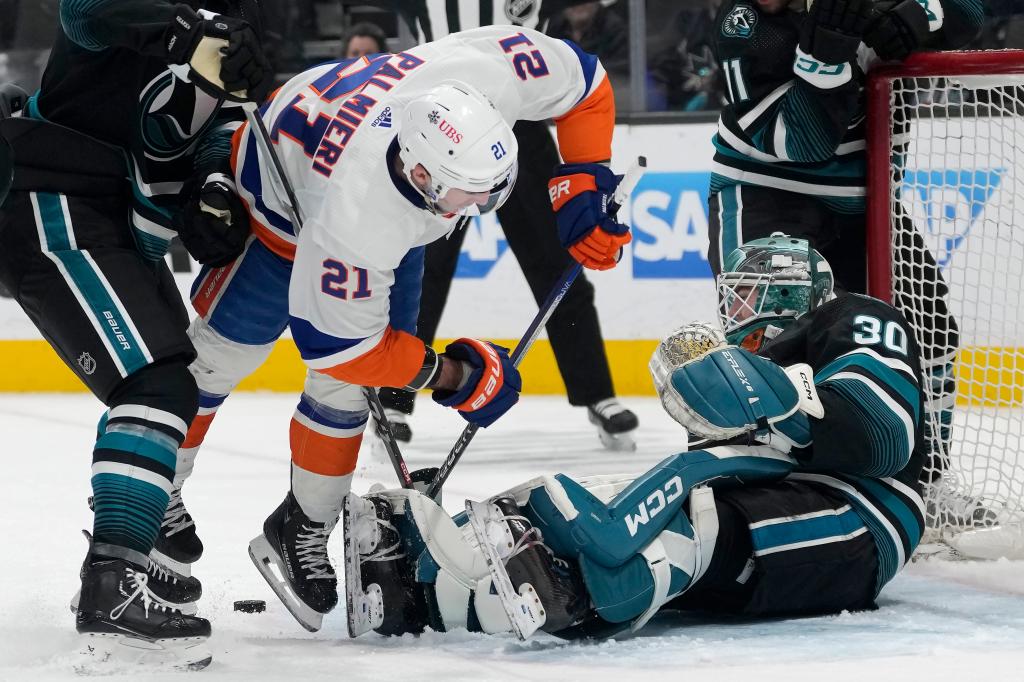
<point x="458" y="136"/>
<point x="767" y="284"/>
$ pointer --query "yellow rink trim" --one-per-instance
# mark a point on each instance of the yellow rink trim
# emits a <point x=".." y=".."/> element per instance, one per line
<point x="991" y="377"/>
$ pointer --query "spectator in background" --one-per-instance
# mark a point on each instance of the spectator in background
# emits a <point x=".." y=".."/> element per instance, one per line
<point x="598" y="30"/>
<point x="362" y="39"/>
<point x="682" y="64"/>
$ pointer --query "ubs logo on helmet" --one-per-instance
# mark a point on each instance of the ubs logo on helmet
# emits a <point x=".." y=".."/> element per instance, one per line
<point x="449" y="131"/>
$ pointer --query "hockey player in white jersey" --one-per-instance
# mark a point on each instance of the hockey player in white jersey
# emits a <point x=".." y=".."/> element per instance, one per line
<point x="386" y="154"/>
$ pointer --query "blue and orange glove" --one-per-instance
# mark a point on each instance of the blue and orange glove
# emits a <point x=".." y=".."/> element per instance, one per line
<point x="493" y="384"/>
<point x="581" y="194"/>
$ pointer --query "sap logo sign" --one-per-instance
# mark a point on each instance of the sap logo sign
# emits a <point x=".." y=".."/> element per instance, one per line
<point x="483" y="246"/>
<point x="669" y="215"/>
<point x="948" y="203"/>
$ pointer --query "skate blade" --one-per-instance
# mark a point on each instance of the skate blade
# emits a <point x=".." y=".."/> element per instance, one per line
<point x="524" y="609"/>
<point x="365" y="607"/>
<point x="617" y="442"/>
<point x="274" y="571"/>
<point x="107" y="653"/>
<point x="188" y="608"/>
<point x="170" y="565"/>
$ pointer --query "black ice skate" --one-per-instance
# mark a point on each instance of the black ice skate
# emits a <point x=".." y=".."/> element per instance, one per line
<point x="382" y="594"/>
<point x="537" y="589"/>
<point x="291" y="554"/>
<point x="614" y="423"/>
<point x="177" y="547"/>
<point x="399" y="425"/>
<point x="123" y="620"/>
<point x="168" y="587"/>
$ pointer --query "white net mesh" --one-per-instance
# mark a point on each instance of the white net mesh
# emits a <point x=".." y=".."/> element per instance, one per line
<point x="957" y="193"/>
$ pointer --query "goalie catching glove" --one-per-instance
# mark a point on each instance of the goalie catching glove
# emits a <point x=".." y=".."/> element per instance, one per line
<point x="214" y="224"/>
<point x="730" y="392"/>
<point x="224" y="56"/>
<point x="490" y="383"/>
<point x="581" y="195"/>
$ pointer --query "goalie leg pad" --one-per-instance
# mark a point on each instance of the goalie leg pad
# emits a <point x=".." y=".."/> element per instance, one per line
<point x="577" y="522"/>
<point x="661" y="571"/>
<point x="449" y="564"/>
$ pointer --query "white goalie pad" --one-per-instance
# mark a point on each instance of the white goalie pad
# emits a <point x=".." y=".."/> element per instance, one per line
<point x="462" y="568"/>
<point x="523" y="606"/>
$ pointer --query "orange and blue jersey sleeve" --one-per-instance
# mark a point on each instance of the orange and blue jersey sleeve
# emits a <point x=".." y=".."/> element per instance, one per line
<point x="585" y="132"/>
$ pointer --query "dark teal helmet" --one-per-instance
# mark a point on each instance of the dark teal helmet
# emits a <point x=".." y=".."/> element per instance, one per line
<point x="767" y="284"/>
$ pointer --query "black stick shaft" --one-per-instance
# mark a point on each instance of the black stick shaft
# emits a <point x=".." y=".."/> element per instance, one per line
<point x="558" y="292"/>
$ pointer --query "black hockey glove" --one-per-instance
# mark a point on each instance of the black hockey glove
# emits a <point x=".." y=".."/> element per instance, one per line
<point x="896" y="29"/>
<point x="214" y="224"/>
<point x="224" y="54"/>
<point x="832" y="30"/>
<point x="6" y="168"/>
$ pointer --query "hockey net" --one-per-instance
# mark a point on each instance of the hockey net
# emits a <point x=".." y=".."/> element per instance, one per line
<point x="946" y="194"/>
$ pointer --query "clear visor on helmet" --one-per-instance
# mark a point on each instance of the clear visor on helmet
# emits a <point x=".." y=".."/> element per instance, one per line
<point x="471" y="203"/>
<point x="753" y="305"/>
<point x="740" y="297"/>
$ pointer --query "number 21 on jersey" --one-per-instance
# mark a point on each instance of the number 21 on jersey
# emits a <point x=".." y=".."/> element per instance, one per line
<point x="335" y="281"/>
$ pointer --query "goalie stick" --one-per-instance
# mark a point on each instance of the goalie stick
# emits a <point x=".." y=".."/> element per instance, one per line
<point x="558" y="292"/>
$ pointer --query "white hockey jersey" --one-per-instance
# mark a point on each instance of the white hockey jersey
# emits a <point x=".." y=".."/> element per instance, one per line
<point x="334" y="128"/>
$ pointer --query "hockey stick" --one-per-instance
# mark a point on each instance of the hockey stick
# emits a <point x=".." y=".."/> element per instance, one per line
<point x="382" y="425"/>
<point x="558" y="292"/>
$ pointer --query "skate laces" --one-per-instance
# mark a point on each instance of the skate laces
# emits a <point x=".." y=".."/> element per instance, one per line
<point x="176" y="518"/>
<point x="533" y="537"/>
<point x="311" y="551"/>
<point x="608" y="408"/>
<point x="161" y="573"/>
<point x="141" y="582"/>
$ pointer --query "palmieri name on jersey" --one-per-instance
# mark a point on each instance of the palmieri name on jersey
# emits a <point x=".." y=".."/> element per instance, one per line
<point x="359" y="85"/>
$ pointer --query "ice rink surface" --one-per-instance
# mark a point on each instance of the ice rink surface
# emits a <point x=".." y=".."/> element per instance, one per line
<point x="936" y="621"/>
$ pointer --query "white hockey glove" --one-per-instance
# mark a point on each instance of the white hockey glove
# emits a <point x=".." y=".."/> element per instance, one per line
<point x="730" y="392"/>
<point x="224" y="56"/>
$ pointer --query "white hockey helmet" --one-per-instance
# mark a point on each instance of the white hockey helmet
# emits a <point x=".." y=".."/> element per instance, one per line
<point x="462" y="140"/>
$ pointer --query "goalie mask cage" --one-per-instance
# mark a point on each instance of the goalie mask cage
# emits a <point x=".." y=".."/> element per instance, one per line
<point x="946" y="193"/>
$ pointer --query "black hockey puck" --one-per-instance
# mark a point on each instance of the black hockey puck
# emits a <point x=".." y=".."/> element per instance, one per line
<point x="251" y="605"/>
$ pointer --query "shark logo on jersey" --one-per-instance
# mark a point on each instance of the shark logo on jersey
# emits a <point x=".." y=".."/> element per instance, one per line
<point x="521" y="12"/>
<point x="946" y="205"/>
<point x="740" y="22"/>
<point x="383" y="119"/>
<point x="174" y="114"/>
